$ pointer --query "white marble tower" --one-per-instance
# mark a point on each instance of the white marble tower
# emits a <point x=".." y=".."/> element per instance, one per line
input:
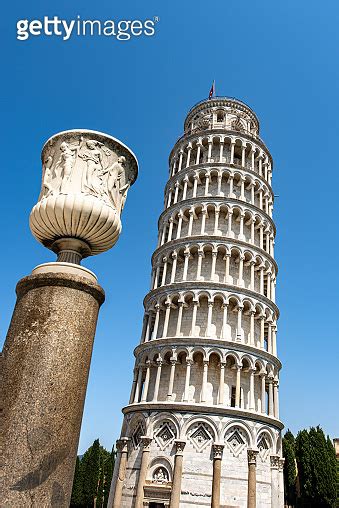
<point x="202" y="425"/>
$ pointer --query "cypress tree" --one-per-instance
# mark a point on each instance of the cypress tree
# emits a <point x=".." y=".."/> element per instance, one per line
<point x="316" y="469"/>
<point x="77" y="489"/>
<point x="91" y="464"/>
<point x="332" y="496"/>
<point x="101" y="479"/>
<point x="303" y="456"/>
<point x="290" y="472"/>
<point x="92" y="477"/>
<point x="323" y="469"/>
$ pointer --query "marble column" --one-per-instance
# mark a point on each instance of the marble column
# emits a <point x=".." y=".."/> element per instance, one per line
<point x="217" y="450"/>
<point x="204" y="381"/>
<point x="157" y="379"/>
<point x="46" y="360"/>
<point x="145" y="446"/>
<point x="194" y="317"/>
<point x="187" y="379"/>
<point x="275" y="481"/>
<point x="281" y="482"/>
<point x="221" y="383"/>
<point x="138" y="386"/>
<point x="252" y="480"/>
<point x="146" y="383"/>
<point x="122" y="449"/>
<point x="270" y="397"/>
<point x="134" y="385"/>
<point x="237" y="385"/>
<point x="276" y="398"/>
<point x="171" y="379"/>
<point x="177" y="474"/>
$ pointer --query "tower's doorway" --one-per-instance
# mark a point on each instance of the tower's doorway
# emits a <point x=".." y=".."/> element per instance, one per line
<point x="156" y="505"/>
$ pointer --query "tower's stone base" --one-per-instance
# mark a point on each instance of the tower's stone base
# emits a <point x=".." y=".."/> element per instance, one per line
<point x="200" y="433"/>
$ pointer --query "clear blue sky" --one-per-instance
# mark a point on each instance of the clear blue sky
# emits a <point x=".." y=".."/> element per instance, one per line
<point x="279" y="57"/>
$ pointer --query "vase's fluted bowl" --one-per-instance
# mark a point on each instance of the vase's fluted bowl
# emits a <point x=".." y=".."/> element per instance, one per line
<point x="86" y="176"/>
<point x="73" y="216"/>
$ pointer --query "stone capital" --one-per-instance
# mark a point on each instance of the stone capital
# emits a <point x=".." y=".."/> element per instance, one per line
<point x="180" y="445"/>
<point x="252" y="456"/>
<point x="122" y="444"/>
<point x="274" y="459"/>
<point x="217" y="449"/>
<point x="145" y="442"/>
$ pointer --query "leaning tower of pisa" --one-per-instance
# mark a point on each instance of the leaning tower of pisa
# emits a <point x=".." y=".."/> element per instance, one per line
<point x="202" y="425"/>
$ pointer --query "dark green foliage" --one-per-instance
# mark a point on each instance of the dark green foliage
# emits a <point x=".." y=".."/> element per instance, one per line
<point x="303" y="456"/>
<point x="290" y="471"/>
<point x="333" y="472"/>
<point x="92" y="477"/>
<point x="316" y="469"/>
<point x="77" y="492"/>
<point x="90" y="466"/>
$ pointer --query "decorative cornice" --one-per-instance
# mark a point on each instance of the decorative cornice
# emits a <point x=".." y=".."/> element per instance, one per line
<point x="208" y="342"/>
<point x="188" y="136"/>
<point x="215" y="201"/>
<point x="210" y="285"/>
<point x="185" y="407"/>
<point x="217" y="165"/>
<point x="215" y="102"/>
<point x="211" y="240"/>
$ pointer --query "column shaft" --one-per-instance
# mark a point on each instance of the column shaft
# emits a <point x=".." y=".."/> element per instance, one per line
<point x="177" y="475"/>
<point x="139" y="500"/>
<point x="252" y="480"/>
<point x="122" y="463"/>
<point x="46" y="359"/>
<point x="217" y="456"/>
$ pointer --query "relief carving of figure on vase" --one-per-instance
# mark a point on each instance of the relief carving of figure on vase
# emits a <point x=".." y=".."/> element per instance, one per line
<point x="92" y="178"/>
<point x="116" y="191"/>
<point x="62" y="176"/>
<point x="46" y="187"/>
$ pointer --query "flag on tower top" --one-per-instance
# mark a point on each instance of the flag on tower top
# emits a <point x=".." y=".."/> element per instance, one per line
<point x="212" y="91"/>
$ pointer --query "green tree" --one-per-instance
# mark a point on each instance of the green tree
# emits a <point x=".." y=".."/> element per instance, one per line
<point x="323" y="469"/>
<point x="316" y="468"/>
<point x="77" y="490"/>
<point x="333" y="473"/>
<point x="90" y="466"/>
<point x="92" y="477"/>
<point x="101" y="480"/>
<point x="303" y="456"/>
<point x="290" y="471"/>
